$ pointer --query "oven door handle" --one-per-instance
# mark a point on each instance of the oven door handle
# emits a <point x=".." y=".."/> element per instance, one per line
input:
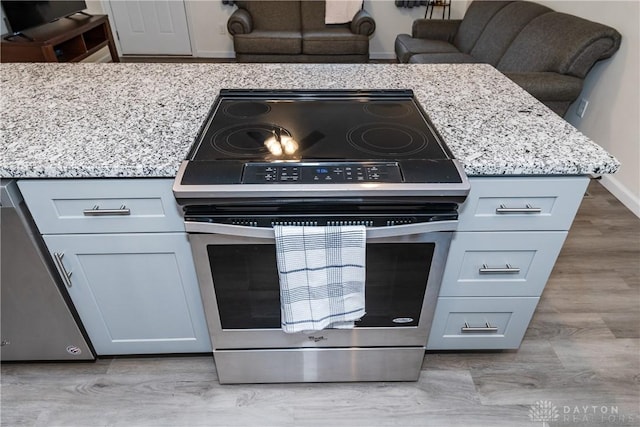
<point x="268" y="233"/>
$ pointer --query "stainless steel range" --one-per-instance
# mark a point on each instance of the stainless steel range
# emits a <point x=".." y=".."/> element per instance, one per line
<point x="319" y="158"/>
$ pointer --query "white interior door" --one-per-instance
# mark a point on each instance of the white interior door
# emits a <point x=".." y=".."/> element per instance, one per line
<point x="147" y="27"/>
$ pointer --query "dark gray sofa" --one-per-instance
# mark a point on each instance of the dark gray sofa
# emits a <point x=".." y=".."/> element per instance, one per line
<point x="545" y="52"/>
<point x="294" y="31"/>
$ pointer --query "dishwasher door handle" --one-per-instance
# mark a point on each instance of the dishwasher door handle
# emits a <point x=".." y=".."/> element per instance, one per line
<point x="268" y="233"/>
<point x="66" y="276"/>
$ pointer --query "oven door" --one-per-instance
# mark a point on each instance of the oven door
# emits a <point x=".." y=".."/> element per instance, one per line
<point x="237" y="274"/>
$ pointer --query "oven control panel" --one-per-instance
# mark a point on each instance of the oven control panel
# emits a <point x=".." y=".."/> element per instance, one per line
<point x="321" y="173"/>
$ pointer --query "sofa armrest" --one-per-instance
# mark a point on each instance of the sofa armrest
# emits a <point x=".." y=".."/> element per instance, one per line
<point x="435" y="30"/>
<point x="362" y="23"/>
<point x="240" y="22"/>
<point x="548" y="86"/>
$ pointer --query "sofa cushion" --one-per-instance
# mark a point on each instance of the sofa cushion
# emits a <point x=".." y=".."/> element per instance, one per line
<point x="503" y="28"/>
<point x="302" y="58"/>
<point x="312" y="14"/>
<point x="405" y="46"/>
<point x="334" y="41"/>
<point x="554" y="90"/>
<point x="475" y="20"/>
<point x="443" y="58"/>
<point x="445" y="29"/>
<point x="560" y="43"/>
<point x="269" y="42"/>
<point x="548" y="86"/>
<point x="278" y="15"/>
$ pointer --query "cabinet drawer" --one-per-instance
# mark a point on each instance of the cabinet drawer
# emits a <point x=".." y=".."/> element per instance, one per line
<point x="503" y="203"/>
<point x="102" y="206"/>
<point x="500" y="263"/>
<point x="480" y="323"/>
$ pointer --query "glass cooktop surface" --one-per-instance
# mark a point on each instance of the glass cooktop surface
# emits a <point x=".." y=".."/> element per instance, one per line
<point x="267" y="126"/>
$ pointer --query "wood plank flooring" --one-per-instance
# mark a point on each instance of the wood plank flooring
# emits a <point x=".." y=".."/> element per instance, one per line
<point x="581" y="355"/>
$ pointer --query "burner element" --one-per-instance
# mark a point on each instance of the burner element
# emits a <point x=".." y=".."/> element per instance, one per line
<point x="246" y="109"/>
<point x="247" y="140"/>
<point x="320" y="126"/>
<point x="388" y="139"/>
<point x="388" y="110"/>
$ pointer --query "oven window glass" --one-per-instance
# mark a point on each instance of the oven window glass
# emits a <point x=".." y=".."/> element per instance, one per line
<point x="246" y="285"/>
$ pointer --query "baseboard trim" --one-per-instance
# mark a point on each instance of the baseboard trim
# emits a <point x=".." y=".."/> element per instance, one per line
<point x="615" y="187"/>
<point x="382" y="55"/>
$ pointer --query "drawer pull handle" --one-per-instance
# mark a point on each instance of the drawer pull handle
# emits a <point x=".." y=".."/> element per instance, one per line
<point x="66" y="276"/>
<point x="487" y="328"/>
<point x="96" y="211"/>
<point x="529" y="209"/>
<point x="491" y="270"/>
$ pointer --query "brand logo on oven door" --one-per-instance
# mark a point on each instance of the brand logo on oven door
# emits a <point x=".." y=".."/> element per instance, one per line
<point x="402" y="320"/>
<point x="316" y="339"/>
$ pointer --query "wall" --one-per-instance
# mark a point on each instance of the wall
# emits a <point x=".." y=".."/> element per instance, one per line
<point x="3" y="27"/>
<point x="612" y="89"/>
<point x="94" y="7"/>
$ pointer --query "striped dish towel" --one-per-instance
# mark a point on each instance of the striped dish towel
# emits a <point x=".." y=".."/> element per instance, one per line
<point x="341" y="11"/>
<point x="322" y="275"/>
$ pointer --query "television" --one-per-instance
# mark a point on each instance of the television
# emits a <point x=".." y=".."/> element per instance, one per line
<point x="22" y="15"/>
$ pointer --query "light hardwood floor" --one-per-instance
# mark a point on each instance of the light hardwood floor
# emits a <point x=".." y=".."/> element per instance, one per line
<point x="580" y="356"/>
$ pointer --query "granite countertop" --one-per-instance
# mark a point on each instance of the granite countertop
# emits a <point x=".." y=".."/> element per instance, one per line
<point x="139" y="120"/>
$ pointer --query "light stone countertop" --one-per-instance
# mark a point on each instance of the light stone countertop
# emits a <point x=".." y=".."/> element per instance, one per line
<point x="139" y="120"/>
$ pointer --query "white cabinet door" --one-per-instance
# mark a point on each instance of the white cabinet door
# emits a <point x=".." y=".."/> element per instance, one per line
<point x="135" y="293"/>
<point x="151" y="27"/>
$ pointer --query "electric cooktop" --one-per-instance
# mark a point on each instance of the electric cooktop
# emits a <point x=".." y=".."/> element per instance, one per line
<point x="287" y="137"/>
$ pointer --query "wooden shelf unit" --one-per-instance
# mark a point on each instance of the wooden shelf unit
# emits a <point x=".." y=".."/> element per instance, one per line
<point x="70" y="39"/>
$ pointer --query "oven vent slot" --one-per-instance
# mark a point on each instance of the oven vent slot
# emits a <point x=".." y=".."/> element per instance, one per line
<point x="366" y="223"/>
<point x="295" y="223"/>
<point x="244" y="222"/>
<point x="400" y="221"/>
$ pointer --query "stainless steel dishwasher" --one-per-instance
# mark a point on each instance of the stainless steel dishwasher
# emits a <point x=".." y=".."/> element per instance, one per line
<point x="38" y="321"/>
